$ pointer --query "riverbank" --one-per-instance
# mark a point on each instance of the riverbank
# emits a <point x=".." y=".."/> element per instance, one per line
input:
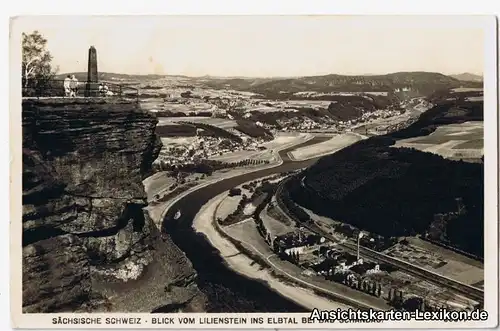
<point x="244" y="265"/>
<point x="157" y="212"/>
<point x="226" y="290"/>
<point x="247" y="239"/>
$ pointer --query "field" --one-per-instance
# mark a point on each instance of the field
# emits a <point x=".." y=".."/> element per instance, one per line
<point x="243" y="155"/>
<point x="288" y="106"/>
<point x="152" y="104"/>
<point x="246" y="232"/>
<point x="337" y="143"/>
<point x="454" y="141"/>
<point x="218" y="122"/>
<point x="478" y="98"/>
<point x="185" y="108"/>
<point x="274" y="226"/>
<point x="157" y="183"/>
<point x="474" y="144"/>
<point x="432" y="259"/>
<point x="227" y="206"/>
<point x="458" y="266"/>
<point x="467" y="89"/>
<point x="284" y="139"/>
<point x="178" y="141"/>
<point x="157" y="104"/>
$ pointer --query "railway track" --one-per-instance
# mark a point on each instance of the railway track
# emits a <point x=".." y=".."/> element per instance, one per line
<point x="464" y="289"/>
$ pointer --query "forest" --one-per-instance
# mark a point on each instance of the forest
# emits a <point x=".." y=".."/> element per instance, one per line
<point x="397" y="191"/>
<point x="341" y="108"/>
<point x="252" y="130"/>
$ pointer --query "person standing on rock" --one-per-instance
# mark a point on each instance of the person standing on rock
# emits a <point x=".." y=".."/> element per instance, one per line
<point x="73" y="86"/>
<point x="67" y="86"/>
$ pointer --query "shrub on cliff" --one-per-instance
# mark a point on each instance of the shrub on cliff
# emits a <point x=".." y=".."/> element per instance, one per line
<point x="37" y="71"/>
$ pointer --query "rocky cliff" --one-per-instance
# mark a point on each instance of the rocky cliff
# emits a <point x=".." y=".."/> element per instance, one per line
<point x="88" y="245"/>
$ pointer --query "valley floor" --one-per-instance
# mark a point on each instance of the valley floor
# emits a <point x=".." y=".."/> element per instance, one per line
<point x="246" y="266"/>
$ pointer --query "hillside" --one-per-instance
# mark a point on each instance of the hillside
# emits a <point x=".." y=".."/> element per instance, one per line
<point x="341" y="108"/>
<point x="448" y="112"/>
<point x="398" y="191"/>
<point x="468" y="77"/>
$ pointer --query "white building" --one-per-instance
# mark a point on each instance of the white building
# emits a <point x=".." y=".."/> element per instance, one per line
<point x="299" y="250"/>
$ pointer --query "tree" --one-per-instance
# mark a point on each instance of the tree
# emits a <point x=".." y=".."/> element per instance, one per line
<point x="36" y="60"/>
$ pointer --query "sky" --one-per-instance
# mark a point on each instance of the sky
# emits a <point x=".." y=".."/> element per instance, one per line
<point x="263" y="46"/>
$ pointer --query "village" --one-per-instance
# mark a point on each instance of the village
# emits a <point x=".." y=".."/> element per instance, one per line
<point x="206" y="124"/>
<point x="319" y="260"/>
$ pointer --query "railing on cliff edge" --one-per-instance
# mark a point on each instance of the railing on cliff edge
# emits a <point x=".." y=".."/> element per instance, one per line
<point x="55" y="88"/>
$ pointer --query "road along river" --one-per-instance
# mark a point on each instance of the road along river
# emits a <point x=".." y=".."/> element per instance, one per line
<point x="226" y="290"/>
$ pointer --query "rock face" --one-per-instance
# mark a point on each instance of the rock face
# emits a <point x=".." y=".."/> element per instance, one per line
<point x="88" y="245"/>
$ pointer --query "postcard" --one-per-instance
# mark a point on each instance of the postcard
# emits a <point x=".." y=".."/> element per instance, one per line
<point x="254" y="172"/>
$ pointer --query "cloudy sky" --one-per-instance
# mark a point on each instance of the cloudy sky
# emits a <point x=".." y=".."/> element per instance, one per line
<point x="263" y="46"/>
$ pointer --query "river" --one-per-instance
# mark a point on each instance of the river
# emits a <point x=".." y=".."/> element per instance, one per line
<point x="226" y="290"/>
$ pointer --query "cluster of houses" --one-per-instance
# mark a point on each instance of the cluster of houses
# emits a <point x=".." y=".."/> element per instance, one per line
<point x="204" y="147"/>
<point x="302" y="124"/>
<point x="295" y="242"/>
<point x="319" y="257"/>
<point x="305" y="123"/>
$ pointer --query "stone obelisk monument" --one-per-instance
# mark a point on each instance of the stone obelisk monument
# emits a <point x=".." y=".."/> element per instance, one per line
<point x="92" y="86"/>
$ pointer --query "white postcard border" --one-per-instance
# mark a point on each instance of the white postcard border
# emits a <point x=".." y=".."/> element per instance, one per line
<point x="491" y="220"/>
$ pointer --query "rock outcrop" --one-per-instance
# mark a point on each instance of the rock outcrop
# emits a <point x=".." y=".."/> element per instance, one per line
<point x="88" y="244"/>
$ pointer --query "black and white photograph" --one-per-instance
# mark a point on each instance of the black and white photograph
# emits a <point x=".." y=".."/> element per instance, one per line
<point x="306" y="170"/>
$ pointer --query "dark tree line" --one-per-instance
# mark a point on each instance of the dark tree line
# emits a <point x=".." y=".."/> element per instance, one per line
<point x="207" y="167"/>
<point x="297" y="213"/>
<point x="218" y="132"/>
<point x="251" y="129"/>
<point x="268" y="190"/>
<point x="394" y="191"/>
<point x="170" y="113"/>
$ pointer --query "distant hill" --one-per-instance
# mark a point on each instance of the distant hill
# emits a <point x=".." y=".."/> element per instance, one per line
<point x="468" y="77"/>
<point x="420" y="83"/>
<point x="424" y="83"/>
<point x="109" y="76"/>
